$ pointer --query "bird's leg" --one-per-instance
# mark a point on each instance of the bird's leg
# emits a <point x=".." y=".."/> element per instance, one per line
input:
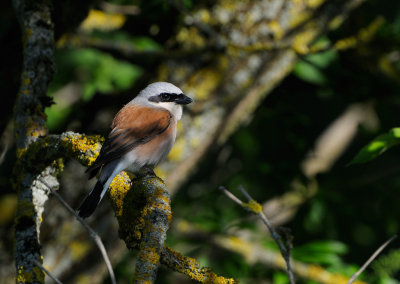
<point x="148" y="171"/>
<point x="145" y="171"/>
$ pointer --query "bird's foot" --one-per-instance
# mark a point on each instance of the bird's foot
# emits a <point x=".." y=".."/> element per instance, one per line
<point x="149" y="172"/>
<point x="145" y="172"/>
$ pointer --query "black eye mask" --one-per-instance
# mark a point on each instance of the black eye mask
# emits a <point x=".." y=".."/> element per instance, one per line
<point x="181" y="99"/>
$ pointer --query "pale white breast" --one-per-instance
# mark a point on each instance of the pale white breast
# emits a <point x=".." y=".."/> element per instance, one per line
<point x="152" y="152"/>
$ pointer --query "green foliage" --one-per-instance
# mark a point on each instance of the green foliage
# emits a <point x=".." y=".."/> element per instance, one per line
<point x="310" y="68"/>
<point x="94" y="71"/>
<point x="378" y="146"/>
<point x="280" y="278"/>
<point x="387" y="265"/>
<point x="121" y="37"/>
<point x="324" y="252"/>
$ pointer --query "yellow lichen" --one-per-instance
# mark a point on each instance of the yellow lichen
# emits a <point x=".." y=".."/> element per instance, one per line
<point x="336" y="22"/>
<point x="204" y="15"/>
<point x="39" y="275"/>
<point x="150" y="254"/>
<point x="299" y="17"/>
<point x="253" y="205"/>
<point x="102" y="21"/>
<point x="302" y="40"/>
<point x="36" y="276"/>
<point x="160" y="172"/>
<point x="26" y="81"/>
<point x="276" y="29"/>
<point x="27" y="34"/>
<point x="314" y="3"/>
<point x="204" y="82"/>
<point x="20" y="152"/>
<point x="24" y="276"/>
<point x="84" y="148"/>
<point x="190" y="38"/>
<point x="118" y="189"/>
<point x="364" y="35"/>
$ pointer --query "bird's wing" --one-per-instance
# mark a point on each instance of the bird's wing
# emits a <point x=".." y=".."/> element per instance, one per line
<point x="132" y="126"/>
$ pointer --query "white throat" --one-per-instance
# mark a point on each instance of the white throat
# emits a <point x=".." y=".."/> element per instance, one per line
<point x="173" y="108"/>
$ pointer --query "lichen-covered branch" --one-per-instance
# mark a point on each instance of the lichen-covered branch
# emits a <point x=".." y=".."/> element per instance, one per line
<point x="191" y="268"/>
<point x="29" y="121"/>
<point x="144" y="214"/>
<point x="144" y="211"/>
<point x="142" y="207"/>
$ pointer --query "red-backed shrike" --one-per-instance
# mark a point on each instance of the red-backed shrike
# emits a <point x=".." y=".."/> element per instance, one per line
<point x="142" y="134"/>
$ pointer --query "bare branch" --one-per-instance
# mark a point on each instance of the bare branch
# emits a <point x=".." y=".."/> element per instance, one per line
<point x="231" y="195"/>
<point x="256" y="208"/>
<point x="47" y="272"/>
<point x="373" y="256"/>
<point x="93" y="234"/>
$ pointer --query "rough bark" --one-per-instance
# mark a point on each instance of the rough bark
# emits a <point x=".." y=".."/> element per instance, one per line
<point x="29" y="120"/>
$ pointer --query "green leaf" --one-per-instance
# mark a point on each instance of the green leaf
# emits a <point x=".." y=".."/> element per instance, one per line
<point x="309" y="73"/>
<point x="310" y="69"/>
<point x="322" y="59"/>
<point x="377" y="146"/>
<point x="323" y="252"/>
<point x="280" y="278"/>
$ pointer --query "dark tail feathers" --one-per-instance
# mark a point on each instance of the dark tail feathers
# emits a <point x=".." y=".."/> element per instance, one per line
<point x="92" y="200"/>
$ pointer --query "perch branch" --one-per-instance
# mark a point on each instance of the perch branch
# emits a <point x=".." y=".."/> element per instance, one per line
<point x="144" y="215"/>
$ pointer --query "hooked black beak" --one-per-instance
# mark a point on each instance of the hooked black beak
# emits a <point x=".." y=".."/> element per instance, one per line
<point x="182" y="99"/>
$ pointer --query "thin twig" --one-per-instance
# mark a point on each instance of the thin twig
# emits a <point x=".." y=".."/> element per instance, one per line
<point x="285" y="250"/>
<point x="373" y="256"/>
<point x="37" y="263"/>
<point x="231" y="195"/>
<point x="93" y="234"/>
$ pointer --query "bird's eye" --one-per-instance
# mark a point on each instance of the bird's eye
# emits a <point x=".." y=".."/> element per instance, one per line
<point x="165" y="96"/>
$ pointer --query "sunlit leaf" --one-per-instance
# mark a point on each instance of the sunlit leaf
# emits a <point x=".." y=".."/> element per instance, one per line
<point x="377" y="146"/>
<point x="310" y="69"/>
<point x="280" y="278"/>
<point x="322" y="252"/>
<point x="322" y="59"/>
<point x="309" y="73"/>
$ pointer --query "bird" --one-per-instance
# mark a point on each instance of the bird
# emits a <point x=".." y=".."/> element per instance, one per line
<point x="142" y="134"/>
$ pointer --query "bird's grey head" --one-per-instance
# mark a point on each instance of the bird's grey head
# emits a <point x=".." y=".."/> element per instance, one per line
<point x="164" y="95"/>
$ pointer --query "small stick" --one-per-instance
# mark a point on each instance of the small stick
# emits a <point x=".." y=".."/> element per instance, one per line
<point x="285" y="251"/>
<point x="37" y="263"/>
<point x="93" y="234"/>
<point x="373" y="256"/>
